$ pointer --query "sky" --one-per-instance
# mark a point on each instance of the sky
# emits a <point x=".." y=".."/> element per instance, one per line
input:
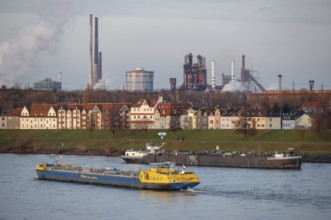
<point x="40" y="38"/>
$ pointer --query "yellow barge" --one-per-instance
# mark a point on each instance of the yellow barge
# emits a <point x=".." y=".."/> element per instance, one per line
<point x="163" y="176"/>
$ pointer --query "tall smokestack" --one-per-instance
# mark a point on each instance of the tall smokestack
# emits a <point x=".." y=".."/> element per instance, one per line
<point x="100" y="66"/>
<point x="280" y="82"/>
<point x="96" y="51"/>
<point x="60" y="79"/>
<point x="243" y="69"/>
<point x="232" y="70"/>
<point x="213" y="78"/>
<point x="90" y="80"/>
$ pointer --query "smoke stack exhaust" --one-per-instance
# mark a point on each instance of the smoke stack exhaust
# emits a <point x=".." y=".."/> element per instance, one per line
<point x="90" y="81"/>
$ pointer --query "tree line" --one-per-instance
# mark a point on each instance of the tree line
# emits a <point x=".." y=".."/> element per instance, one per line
<point x="280" y="102"/>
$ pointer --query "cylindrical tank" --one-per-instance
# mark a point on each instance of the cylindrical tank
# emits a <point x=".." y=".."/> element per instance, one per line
<point x="139" y="80"/>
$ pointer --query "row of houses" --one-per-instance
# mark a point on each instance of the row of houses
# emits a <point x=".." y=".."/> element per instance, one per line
<point x="149" y="114"/>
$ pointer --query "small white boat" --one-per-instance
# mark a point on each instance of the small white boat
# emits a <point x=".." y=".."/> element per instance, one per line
<point x="137" y="156"/>
<point x="290" y="154"/>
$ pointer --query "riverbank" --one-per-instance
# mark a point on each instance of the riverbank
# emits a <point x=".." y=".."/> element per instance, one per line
<point x="307" y="158"/>
<point x="103" y="142"/>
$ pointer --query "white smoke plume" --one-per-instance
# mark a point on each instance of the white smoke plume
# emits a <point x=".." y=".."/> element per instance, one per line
<point x="234" y="86"/>
<point x="19" y="53"/>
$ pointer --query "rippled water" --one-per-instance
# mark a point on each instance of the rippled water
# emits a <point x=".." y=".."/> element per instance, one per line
<point x="224" y="193"/>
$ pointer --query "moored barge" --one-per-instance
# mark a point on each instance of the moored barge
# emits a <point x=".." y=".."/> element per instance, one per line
<point x="286" y="160"/>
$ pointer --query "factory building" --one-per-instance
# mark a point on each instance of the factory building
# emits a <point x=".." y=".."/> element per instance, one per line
<point x="248" y="79"/>
<point x="48" y="85"/>
<point x="195" y="74"/>
<point x="139" y="80"/>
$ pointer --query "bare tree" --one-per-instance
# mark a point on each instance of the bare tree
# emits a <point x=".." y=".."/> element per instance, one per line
<point x="301" y="132"/>
<point x="174" y="125"/>
<point x="112" y="120"/>
<point x="320" y="123"/>
<point x="245" y="124"/>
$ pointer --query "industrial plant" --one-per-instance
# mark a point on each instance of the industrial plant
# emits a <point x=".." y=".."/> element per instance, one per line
<point x="195" y="77"/>
<point x="195" y="74"/>
<point x="95" y="72"/>
<point x="247" y="82"/>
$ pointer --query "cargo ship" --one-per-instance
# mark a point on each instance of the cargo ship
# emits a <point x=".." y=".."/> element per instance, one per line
<point x="286" y="160"/>
<point x="162" y="176"/>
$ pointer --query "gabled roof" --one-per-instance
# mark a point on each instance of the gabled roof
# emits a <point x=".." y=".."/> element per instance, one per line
<point x="113" y="106"/>
<point x="16" y="112"/>
<point x="139" y="103"/>
<point x="164" y="109"/>
<point x="73" y="107"/>
<point x="169" y="109"/>
<point x="294" y="114"/>
<point x="101" y="106"/>
<point x="230" y="112"/>
<point x="41" y="110"/>
<point x="273" y="114"/>
<point x="311" y="105"/>
<point x="150" y="102"/>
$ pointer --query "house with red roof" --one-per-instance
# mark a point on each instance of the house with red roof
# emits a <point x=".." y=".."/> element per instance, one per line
<point x="312" y="107"/>
<point x="39" y="116"/>
<point x="167" y="115"/>
<point x="142" y="113"/>
<point x="94" y="116"/>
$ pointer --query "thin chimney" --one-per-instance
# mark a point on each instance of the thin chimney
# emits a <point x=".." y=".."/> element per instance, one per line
<point x="96" y="51"/>
<point x="90" y="82"/>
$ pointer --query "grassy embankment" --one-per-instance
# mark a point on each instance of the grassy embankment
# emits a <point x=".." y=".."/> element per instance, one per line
<point x="104" y="142"/>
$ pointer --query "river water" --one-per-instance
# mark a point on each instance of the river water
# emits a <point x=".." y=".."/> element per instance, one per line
<point x="224" y="193"/>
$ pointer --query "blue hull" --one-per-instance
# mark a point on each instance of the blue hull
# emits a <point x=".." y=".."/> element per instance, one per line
<point x="111" y="180"/>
